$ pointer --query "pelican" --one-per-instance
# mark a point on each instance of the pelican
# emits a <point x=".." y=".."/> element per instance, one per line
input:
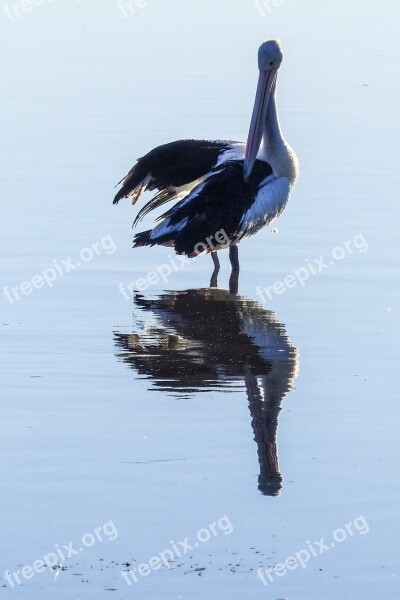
<point x="202" y="340"/>
<point x="225" y="190"/>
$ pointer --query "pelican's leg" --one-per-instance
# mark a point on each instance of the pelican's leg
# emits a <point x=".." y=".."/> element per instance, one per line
<point x="234" y="279"/>
<point x="217" y="266"/>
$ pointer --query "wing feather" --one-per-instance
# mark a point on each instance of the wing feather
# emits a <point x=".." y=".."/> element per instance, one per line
<point x="168" y="168"/>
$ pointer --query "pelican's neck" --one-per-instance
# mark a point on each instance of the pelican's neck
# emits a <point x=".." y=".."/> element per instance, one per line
<point x="275" y="150"/>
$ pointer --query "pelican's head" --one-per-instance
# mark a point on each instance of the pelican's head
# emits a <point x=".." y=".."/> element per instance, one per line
<point x="270" y="57"/>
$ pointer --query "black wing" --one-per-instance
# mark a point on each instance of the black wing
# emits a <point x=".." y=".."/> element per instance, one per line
<point x="168" y="168"/>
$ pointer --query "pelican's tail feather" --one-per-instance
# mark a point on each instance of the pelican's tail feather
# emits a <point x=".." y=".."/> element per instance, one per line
<point x="143" y="239"/>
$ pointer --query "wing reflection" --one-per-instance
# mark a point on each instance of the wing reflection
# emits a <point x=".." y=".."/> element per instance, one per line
<point x="199" y="340"/>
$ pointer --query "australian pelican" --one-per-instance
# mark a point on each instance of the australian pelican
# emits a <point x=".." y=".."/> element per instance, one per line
<point x="226" y="190"/>
<point x="200" y="340"/>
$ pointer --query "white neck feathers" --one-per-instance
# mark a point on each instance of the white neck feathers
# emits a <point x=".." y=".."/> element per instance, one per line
<point x="275" y="150"/>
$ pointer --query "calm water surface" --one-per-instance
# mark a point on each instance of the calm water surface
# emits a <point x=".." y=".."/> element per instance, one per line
<point x="274" y="415"/>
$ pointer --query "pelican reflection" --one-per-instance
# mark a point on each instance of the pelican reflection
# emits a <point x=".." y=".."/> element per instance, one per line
<point x="199" y="340"/>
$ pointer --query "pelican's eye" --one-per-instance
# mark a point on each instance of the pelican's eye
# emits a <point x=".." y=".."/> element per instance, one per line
<point x="271" y="63"/>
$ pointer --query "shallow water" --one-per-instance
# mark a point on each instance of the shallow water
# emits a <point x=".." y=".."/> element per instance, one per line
<point x="272" y="415"/>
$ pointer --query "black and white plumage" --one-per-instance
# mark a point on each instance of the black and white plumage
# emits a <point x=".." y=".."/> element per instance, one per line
<point x="224" y="190"/>
<point x="202" y="340"/>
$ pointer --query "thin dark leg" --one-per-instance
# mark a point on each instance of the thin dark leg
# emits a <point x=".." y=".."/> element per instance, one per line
<point x="217" y="266"/>
<point x="234" y="279"/>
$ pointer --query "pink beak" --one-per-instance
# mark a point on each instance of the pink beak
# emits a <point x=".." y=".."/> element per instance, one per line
<point x="265" y="84"/>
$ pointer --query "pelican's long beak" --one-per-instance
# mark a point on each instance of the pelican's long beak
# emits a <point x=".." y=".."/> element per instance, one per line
<point x="265" y="84"/>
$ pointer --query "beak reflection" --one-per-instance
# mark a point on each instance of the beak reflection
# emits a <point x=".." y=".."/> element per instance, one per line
<point x="204" y="340"/>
